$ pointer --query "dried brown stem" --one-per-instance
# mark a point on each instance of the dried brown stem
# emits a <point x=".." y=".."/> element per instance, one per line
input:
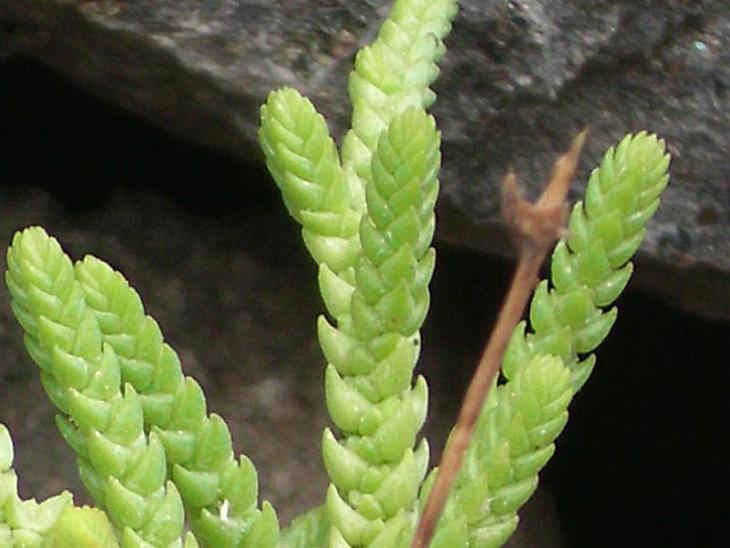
<point x="537" y="226"/>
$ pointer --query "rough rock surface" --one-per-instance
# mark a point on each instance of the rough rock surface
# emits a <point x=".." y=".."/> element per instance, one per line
<point x="521" y="77"/>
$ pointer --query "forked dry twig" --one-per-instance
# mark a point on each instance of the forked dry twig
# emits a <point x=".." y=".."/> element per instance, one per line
<point x="537" y="226"/>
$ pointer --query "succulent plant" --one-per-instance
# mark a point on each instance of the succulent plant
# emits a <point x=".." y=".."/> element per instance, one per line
<point x="162" y="469"/>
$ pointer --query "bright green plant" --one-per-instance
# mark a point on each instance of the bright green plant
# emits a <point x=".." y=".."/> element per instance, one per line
<point x="545" y="368"/>
<point x="23" y="522"/>
<point x="153" y="458"/>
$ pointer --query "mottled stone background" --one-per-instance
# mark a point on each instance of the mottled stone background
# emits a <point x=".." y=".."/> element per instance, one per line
<point x="521" y="78"/>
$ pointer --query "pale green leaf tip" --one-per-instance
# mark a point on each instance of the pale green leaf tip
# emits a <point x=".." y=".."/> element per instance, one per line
<point x="6" y="449"/>
<point x="83" y="527"/>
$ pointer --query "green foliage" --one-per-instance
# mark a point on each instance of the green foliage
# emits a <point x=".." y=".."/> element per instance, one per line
<point x="151" y="455"/>
<point x="393" y="73"/>
<point x="368" y="222"/>
<point x="24" y="522"/>
<point x="512" y="442"/>
<point x="220" y="493"/>
<point x="87" y="330"/>
<point x="375" y="471"/>
<point x="379" y="302"/>
<point x="309" y="529"/>
<point x="124" y="469"/>
<point x="590" y="268"/>
<point x="522" y="418"/>
<point x="304" y="163"/>
<point x="82" y="527"/>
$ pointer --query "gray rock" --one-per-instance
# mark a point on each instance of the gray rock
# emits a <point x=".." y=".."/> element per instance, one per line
<point x="521" y="78"/>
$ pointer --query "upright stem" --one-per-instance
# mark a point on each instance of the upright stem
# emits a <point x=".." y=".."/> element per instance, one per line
<point x="538" y="225"/>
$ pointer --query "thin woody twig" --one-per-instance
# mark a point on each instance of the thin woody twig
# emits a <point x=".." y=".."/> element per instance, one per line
<point x="537" y="226"/>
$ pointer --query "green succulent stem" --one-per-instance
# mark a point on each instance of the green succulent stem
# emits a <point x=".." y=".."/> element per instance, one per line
<point x="26" y="522"/>
<point x="569" y="314"/>
<point x="324" y="192"/>
<point x="393" y="73"/>
<point x="537" y="226"/>
<point x="376" y="467"/>
<point x="304" y="162"/>
<point x="367" y="220"/>
<point x="220" y="493"/>
<point x="589" y="269"/>
<point x="122" y="467"/>
<point x="309" y="529"/>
